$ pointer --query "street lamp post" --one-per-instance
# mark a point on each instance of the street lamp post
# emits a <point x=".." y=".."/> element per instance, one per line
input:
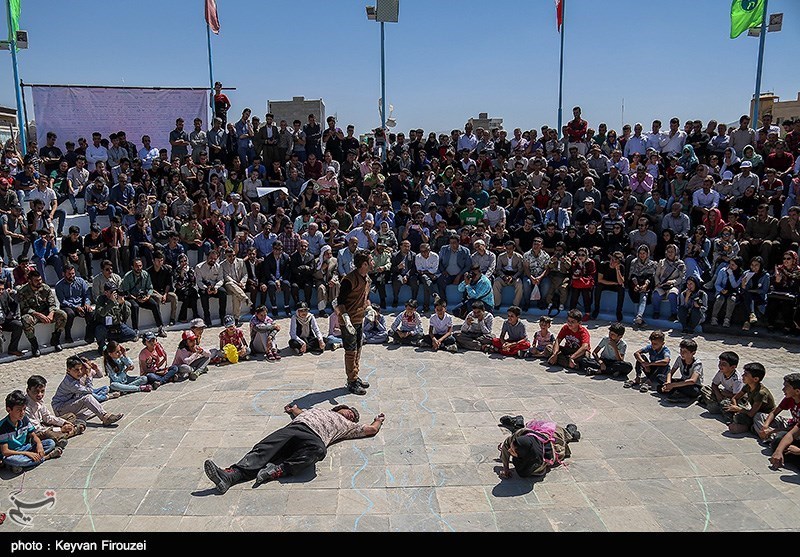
<point x="384" y="11"/>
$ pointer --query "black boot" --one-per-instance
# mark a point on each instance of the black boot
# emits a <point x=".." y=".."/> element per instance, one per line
<point x="55" y="341"/>
<point x="34" y="347"/>
<point x="572" y="429"/>
<point x="223" y="479"/>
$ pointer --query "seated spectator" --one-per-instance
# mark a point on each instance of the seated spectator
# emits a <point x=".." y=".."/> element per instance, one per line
<point x="74" y="298"/>
<point x="117" y="365"/>
<point x="690" y="383"/>
<point x="692" y="305"/>
<point x="513" y="339"/>
<point x="576" y="343"/>
<point x="782" y="297"/>
<point x="667" y="280"/>
<point x="641" y="279"/>
<point x="727" y="287"/>
<point x="476" y="331"/>
<point x="508" y="272"/>
<point x="754" y="290"/>
<point x="374" y="328"/>
<point x="582" y="281"/>
<point x="407" y="326"/>
<point x="750" y="407"/>
<point x="73" y="397"/>
<point x="440" y="330"/>
<point x="46" y="424"/>
<point x="20" y="447"/>
<point x="46" y="253"/>
<point x="304" y="333"/>
<point x="558" y="270"/>
<point x="262" y="334"/>
<point x="191" y="359"/>
<point x="233" y="335"/>
<point x="608" y="356"/>
<point x="153" y="362"/>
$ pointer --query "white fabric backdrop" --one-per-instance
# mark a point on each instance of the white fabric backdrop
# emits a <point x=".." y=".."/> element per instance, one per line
<point x="73" y="112"/>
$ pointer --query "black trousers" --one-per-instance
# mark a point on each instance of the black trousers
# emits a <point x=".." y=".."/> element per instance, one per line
<point x="294" y="447"/>
<point x="598" y="291"/>
<point x="150" y="304"/>
<point x="90" y="323"/>
<point x="15" y="326"/>
<point x="222" y="296"/>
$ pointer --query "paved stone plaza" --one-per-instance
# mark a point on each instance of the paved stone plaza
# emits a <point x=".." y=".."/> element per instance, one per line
<point x="640" y="465"/>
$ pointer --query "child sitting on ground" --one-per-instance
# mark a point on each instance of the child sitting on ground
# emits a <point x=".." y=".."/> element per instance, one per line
<point x="74" y="397"/>
<point x="263" y="331"/>
<point x="233" y="335"/>
<point x="440" y="329"/>
<point x="117" y="364"/>
<point x="691" y="379"/>
<point x="407" y="326"/>
<point x="724" y="386"/>
<point x="750" y="406"/>
<point x="543" y="339"/>
<point x="153" y="362"/>
<point x="776" y="426"/>
<point x="374" y="330"/>
<point x="92" y="371"/>
<point x="334" y="339"/>
<point x="47" y="425"/>
<point x="20" y="447"/>
<point x="304" y="333"/>
<point x="513" y="339"/>
<point x="652" y="361"/>
<point x="576" y="342"/>
<point x="609" y="354"/>
<point x="192" y="360"/>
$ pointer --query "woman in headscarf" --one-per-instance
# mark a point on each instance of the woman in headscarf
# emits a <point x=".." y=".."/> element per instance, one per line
<point x="749" y="154"/>
<point x="641" y="280"/>
<point x="667" y="238"/>
<point x="667" y="281"/>
<point x="387" y="235"/>
<point x="782" y="298"/>
<point x="730" y="161"/>
<point x="755" y="287"/>
<point x="185" y="287"/>
<point x="326" y="279"/>
<point x="688" y="160"/>
<point x="692" y="305"/>
<point x="727" y="283"/>
<point x="749" y="201"/>
<point x="713" y="222"/>
<point x="695" y="254"/>
<point x="535" y="448"/>
<point x="304" y="333"/>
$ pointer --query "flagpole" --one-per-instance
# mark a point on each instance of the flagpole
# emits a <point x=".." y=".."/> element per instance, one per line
<point x="12" y="39"/>
<point x="761" y="40"/>
<point x="561" y="67"/>
<point x="210" y="69"/>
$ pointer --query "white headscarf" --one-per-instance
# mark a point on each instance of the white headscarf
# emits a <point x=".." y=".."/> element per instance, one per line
<point x="322" y="251"/>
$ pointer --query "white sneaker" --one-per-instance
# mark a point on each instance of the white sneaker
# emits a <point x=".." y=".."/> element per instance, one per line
<point x="561" y="307"/>
<point x="452" y="348"/>
<point x="753" y="319"/>
<point x="336" y="345"/>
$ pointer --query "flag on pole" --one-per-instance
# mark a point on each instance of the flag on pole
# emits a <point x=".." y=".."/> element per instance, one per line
<point x="211" y="15"/>
<point x="559" y="14"/>
<point x="13" y="23"/>
<point x="746" y="14"/>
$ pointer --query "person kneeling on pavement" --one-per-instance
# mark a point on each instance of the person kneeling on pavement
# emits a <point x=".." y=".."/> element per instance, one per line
<point x="535" y="448"/>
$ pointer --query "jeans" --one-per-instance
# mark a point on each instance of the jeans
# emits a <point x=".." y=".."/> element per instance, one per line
<point x="53" y="260"/>
<point x="690" y="317"/>
<point x="598" y="292"/>
<point x="94" y="211"/>
<point x="26" y="462"/>
<point x="222" y="296"/>
<point x="123" y="334"/>
<point x="672" y="296"/>
<point x="150" y="304"/>
<point x="527" y="289"/>
<point x="166" y="378"/>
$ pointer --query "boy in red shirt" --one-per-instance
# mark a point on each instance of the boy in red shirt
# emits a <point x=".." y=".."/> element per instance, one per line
<point x="576" y="342"/>
<point x="232" y="334"/>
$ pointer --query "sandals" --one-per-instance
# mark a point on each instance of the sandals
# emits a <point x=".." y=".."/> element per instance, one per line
<point x="630" y="383"/>
<point x="644" y="388"/>
<point x="111" y="419"/>
<point x="273" y="355"/>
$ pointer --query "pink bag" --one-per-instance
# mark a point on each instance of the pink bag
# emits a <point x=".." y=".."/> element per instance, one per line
<point x="545" y="432"/>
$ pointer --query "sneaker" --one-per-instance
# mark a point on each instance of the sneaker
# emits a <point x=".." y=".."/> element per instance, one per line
<point x="109" y="419"/>
<point x="171" y="322"/>
<point x="296" y="351"/>
<point x="55" y="453"/>
<point x="673" y="317"/>
<point x="16" y="469"/>
<point x="522" y="353"/>
<point x="572" y="429"/>
<point x="585" y="317"/>
<point x="270" y="356"/>
<point x="156" y="385"/>
<point x="145" y="388"/>
<point x="276" y="354"/>
<point x="62" y="443"/>
<point x="161" y="332"/>
<point x="393" y="340"/>
<point x="362" y="382"/>
<point x="638" y="322"/>
<point x="268" y="473"/>
<point x="753" y="319"/>
<point x="726" y="323"/>
<point x="115" y="394"/>
<point x="355" y="388"/>
<point x="336" y="346"/>
<point x="192" y="376"/>
<point x="452" y="348"/>
<point x="746" y="326"/>
<point x="222" y="479"/>
<point x="714" y="321"/>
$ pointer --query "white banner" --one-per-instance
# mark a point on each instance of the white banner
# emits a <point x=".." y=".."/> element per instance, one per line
<point x="73" y="112"/>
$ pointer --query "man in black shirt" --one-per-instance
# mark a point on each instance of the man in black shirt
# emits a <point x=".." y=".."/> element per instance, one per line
<point x="550" y="238"/>
<point x="163" y="285"/>
<point x="610" y="276"/>
<point x="587" y="214"/>
<point x="93" y="248"/>
<point x="50" y="154"/>
<point x="524" y="236"/>
<point x="72" y="252"/>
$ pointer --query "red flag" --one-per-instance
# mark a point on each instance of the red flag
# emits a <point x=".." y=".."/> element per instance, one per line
<point x="559" y="14"/>
<point x="211" y="16"/>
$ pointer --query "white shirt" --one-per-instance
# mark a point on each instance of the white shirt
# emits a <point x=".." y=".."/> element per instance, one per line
<point x="674" y="144"/>
<point x="656" y="140"/>
<point x="467" y="142"/>
<point x="48" y="196"/>
<point x="148" y="157"/>
<point x="733" y="383"/>
<point x="440" y="326"/>
<point x="494" y="216"/>
<point x="78" y="177"/>
<point x="94" y="154"/>
<point x="635" y="145"/>
<point x="204" y="272"/>
<point x="431" y="264"/>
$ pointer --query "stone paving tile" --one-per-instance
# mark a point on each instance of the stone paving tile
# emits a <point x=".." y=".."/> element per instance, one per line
<point x="401" y="522"/>
<point x="575" y="520"/>
<point x="164" y="502"/>
<point x="532" y="520"/>
<point x="629" y="519"/>
<point x="102" y="523"/>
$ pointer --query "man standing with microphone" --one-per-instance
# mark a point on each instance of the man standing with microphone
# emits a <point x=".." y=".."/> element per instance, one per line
<point x="353" y="301"/>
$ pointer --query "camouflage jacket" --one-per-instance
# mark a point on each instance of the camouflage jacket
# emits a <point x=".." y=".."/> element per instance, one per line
<point x="42" y="300"/>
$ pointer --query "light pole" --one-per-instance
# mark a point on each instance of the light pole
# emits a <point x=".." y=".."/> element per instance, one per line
<point x="384" y="11"/>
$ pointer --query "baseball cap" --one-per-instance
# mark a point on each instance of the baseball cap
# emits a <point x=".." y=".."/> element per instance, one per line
<point x="746" y="164"/>
<point x="680" y="170"/>
<point x="149" y="335"/>
<point x="188" y="334"/>
<point x="198" y="323"/>
<point x="228" y="321"/>
<point x="727" y="175"/>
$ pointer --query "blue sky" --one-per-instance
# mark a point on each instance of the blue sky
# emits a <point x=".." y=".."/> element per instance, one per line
<point x="446" y="60"/>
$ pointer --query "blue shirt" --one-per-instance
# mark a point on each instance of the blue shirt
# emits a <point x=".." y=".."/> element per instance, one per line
<point x="263" y="243"/>
<point x="74" y="294"/>
<point x="43" y="250"/>
<point x="656" y="355"/>
<point x="15" y="436"/>
<point x="122" y="195"/>
<point x="481" y="290"/>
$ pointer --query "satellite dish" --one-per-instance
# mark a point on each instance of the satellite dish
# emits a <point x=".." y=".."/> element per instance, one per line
<point x="391" y="122"/>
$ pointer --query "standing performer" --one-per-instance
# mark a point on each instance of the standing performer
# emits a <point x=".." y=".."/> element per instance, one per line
<point x="353" y="301"/>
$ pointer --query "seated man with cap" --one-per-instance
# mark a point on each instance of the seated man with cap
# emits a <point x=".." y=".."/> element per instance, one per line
<point x="111" y="313"/>
<point x="294" y="447"/>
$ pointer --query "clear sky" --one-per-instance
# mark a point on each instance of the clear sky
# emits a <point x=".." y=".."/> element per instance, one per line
<point x="446" y="60"/>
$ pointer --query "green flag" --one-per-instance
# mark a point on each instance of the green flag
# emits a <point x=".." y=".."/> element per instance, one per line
<point x="13" y="23"/>
<point x="746" y="14"/>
